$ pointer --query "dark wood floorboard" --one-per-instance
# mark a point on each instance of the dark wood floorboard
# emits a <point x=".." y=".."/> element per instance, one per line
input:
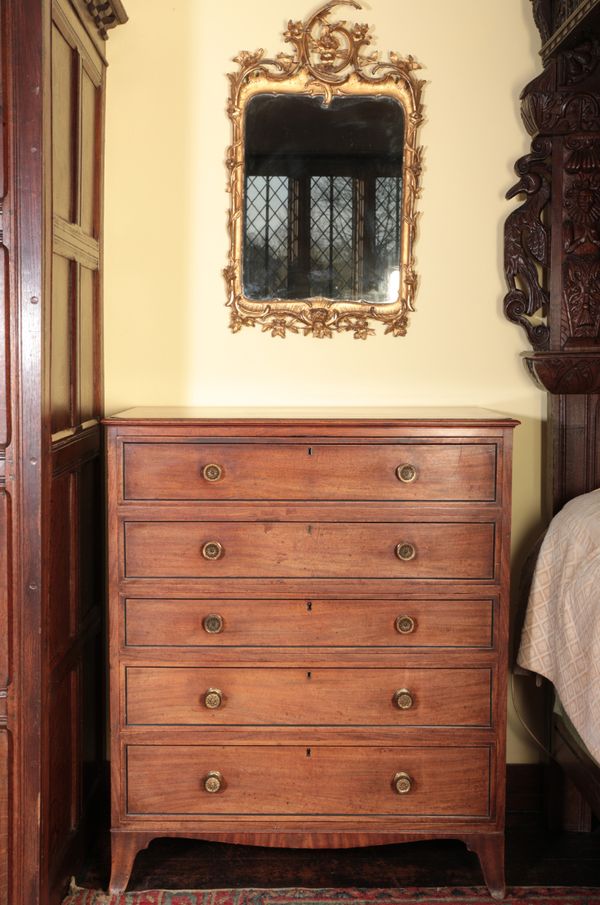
<point x="535" y="857"/>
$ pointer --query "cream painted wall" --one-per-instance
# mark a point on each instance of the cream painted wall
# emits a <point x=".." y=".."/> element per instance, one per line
<point x="167" y="339"/>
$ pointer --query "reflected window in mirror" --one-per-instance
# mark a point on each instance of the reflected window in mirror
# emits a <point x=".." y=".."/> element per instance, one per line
<point x="323" y="198"/>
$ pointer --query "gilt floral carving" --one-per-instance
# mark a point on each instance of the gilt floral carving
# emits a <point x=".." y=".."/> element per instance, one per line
<point x="329" y="59"/>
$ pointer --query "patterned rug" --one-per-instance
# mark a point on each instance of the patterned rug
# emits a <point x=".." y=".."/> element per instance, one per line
<point x="470" y="895"/>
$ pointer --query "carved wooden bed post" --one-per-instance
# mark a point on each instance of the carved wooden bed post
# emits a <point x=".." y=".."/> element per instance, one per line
<point x="552" y="265"/>
<point x="552" y="241"/>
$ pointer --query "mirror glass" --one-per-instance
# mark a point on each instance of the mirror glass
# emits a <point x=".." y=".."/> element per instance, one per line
<point x="322" y="197"/>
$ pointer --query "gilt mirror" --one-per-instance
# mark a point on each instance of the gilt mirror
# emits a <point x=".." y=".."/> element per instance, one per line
<point x="324" y="178"/>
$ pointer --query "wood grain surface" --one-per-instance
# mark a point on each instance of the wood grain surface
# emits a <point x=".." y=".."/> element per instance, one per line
<point x="345" y="781"/>
<point x="300" y="471"/>
<point x="269" y="549"/>
<point x="157" y="622"/>
<point x="311" y="696"/>
<point x="307" y="658"/>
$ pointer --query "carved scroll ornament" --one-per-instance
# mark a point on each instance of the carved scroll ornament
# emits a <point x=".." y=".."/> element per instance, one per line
<point x="560" y="180"/>
<point x="526" y="246"/>
<point x="328" y="60"/>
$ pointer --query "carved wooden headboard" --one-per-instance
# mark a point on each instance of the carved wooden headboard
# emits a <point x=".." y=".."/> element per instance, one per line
<point x="552" y="241"/>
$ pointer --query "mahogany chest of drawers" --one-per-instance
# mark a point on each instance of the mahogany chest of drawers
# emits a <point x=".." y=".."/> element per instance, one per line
<point x="308" y="629"/>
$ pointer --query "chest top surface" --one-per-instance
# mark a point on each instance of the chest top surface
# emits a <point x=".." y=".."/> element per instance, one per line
<point x="420" y="416"/>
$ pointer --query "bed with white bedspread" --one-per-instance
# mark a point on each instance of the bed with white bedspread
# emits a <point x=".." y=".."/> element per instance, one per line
<point x="561" y="632"/>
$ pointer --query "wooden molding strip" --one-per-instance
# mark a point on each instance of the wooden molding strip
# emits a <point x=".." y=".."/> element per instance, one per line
<point x="73" y="243"/>
<point x="76" y="430"/>
<point x="75" y="448"/>
<point x="567" y="27"/>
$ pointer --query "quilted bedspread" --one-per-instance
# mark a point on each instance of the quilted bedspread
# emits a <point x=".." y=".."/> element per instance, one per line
<point x="561" y="634"/>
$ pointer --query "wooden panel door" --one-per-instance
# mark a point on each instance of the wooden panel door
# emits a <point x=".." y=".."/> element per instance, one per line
<point x="73" y="727"/>
<point x="52" y="87"/>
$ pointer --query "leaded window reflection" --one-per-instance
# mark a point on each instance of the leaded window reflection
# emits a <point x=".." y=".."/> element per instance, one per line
<point x="267" y="236"/>
<point x="333" y="264"/>
<point x="331" y="236"/>
<point x="388" y="222"/>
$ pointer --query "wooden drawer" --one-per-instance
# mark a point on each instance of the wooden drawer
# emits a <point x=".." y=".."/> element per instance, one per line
<point x="315" y="623"/>
<point x="304" y="471"/>
<point x="263" y="780"/>
<point x="179" y="696"/>
<point x="445" y="551"/>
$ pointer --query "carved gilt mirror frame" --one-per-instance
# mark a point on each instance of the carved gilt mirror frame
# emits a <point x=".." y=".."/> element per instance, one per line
<point x="328" y="61"/>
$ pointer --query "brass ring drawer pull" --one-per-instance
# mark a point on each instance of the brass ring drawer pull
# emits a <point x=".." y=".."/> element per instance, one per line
<point x="213" y="782"/>
<point x="212" y="624"/>
<point x="212" y="550"/>
<point x="213" y="698"/>
<point x="406" y="473"/>
<point x="405" y="625"/>
<point x="403" y="699"/>
<point x="406" y="552"/>
<point x="402" y="783"/>
<point x="212" y="473"/>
